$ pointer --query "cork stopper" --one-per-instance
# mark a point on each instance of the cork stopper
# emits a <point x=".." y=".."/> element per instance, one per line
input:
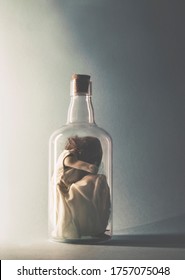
<point x="80" y="85"/>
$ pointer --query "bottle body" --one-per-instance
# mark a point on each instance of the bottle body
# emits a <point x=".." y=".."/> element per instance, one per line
<point x="80" y="178"/>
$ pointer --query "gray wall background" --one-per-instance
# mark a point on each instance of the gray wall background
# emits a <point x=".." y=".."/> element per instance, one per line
<point x="134" y="51"/>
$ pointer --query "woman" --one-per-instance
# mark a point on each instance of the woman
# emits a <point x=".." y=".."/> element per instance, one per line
<point x="83" y="196"/>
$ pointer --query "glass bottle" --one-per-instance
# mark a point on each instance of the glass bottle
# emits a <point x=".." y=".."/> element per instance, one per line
<point x="80" y="173"/>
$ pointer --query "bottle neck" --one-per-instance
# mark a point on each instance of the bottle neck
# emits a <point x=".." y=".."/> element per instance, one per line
<point x="81" y="110"/>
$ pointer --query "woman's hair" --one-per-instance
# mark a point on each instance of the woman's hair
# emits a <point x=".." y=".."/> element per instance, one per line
<point x="88" y="148"/>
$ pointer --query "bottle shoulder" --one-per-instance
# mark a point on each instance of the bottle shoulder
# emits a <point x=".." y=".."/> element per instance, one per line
<point x="81" y="129"/>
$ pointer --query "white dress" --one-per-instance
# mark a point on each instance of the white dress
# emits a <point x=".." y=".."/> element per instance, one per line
<point x="84" y="210"/>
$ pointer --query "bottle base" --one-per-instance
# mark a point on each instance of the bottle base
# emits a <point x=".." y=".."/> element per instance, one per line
<point x="83" y="240"/>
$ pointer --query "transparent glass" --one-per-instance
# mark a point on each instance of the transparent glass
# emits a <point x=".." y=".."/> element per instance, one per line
<point x="80" y="177"/>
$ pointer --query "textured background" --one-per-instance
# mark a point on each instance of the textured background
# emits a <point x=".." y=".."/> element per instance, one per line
<point x="134" y="51"/>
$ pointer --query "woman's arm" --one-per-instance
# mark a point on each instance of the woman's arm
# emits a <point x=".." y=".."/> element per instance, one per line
<point x="72" y="161"/>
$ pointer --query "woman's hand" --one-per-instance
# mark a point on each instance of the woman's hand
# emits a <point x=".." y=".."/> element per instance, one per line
<point x="93" y="169"/>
